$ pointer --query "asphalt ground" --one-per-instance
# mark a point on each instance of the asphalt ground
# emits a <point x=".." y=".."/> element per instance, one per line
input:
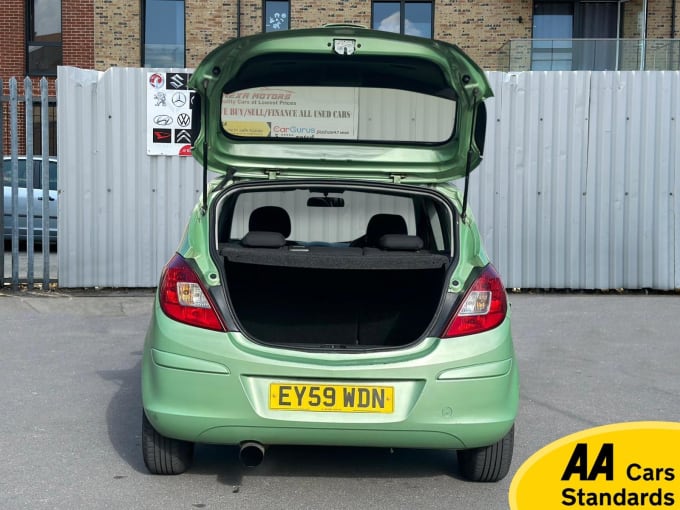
<point x="71" y="415"/>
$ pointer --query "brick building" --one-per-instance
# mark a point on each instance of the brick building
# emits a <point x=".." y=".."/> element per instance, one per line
<point x="38" y="35"/>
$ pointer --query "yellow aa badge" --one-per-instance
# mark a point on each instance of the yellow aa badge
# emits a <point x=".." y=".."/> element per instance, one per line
<point x="625" y="465"/>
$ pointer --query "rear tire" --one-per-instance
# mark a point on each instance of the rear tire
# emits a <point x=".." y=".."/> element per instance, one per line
<point x="163" y="455"/>
<point x="489" y="463"/>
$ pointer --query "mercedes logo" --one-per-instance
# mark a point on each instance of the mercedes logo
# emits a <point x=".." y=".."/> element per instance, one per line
<point x="179" y="99"/>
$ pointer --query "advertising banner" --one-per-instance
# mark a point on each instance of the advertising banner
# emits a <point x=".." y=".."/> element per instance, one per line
<point x="293" y="112"/>
<point x="168" y="114"/>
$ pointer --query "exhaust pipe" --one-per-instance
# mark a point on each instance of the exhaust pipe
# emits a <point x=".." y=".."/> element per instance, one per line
<point x="251" y="453"/>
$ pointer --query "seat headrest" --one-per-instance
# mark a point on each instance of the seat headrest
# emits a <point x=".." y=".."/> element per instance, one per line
<point x="270" y="218"/>
<point x="382" y="224"/>
<point x="400" y="242"/>
<point x="262" y="239"/>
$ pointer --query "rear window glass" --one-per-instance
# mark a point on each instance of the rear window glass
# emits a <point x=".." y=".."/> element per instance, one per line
<point x="7" y="172"/>
<point x="53" y="175"/>
<point x="331" y="97"/>
<point x="37" y="173"/>
<point x="338" y="113"/>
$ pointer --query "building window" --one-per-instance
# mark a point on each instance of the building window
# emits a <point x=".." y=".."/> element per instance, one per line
<point x="404" y="17"/>
<point x="576" y="35"/>
<point x="276" y="16"/>
<point x="43" y="38"/>
<point x="52" y="128"/>
<point x="553" y="36"/>
<point x="164" y="33"/>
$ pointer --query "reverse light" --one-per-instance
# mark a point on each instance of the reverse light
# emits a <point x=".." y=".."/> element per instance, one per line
<point x="484" y="306"/>
<point x="183" y="297"/>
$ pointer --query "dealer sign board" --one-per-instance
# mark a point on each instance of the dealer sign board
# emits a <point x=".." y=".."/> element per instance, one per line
<point x="168" y="114"/>
<point x="292" y="112"/>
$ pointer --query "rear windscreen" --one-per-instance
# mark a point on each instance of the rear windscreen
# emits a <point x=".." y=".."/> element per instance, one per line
<point x="336" y="98"/>
<point x="338" y="113"/>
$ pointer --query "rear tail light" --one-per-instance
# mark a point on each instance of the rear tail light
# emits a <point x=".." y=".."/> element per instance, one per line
<point x="484" y="306"/>
<point x="183" y="297"/>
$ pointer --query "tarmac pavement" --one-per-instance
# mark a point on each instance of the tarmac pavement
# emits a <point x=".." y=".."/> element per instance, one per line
<point x="70" y="401"/>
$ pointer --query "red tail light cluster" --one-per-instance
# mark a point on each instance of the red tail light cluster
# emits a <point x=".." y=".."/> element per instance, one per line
<point x="484" y="306"/>
<point x="184" y="299"/>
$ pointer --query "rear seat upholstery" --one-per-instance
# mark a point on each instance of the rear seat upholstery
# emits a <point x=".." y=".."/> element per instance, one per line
<point x="386" y="245"/>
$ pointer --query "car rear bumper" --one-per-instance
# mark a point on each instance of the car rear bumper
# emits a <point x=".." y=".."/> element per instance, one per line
<point x="209" y="387"/>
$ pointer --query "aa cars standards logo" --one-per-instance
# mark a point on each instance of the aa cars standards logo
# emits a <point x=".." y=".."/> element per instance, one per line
<point x="625" y="465"/>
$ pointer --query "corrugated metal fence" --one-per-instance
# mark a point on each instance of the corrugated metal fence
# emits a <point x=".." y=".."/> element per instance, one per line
<point x="577" y="190"/>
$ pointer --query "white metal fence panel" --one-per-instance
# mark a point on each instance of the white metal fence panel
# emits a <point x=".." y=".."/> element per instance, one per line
<point x="528" y="192"/>
<point x="632" y="164"/>
<point x="579" y="187"/>
<point x="121" y="212"/>
<point x="577" y="190"/>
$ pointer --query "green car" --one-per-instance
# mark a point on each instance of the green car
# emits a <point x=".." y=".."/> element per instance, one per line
<point x="331" y="287"/>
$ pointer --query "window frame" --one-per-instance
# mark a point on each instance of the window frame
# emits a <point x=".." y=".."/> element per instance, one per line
<point x="402" y="14"/>
<point x="143" y="36"/>
<point x="29" y="41"/>
<point x="264" y="15"/>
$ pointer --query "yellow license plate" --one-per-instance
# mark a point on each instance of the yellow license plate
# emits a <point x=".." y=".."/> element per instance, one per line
<point x="331" y="397"/>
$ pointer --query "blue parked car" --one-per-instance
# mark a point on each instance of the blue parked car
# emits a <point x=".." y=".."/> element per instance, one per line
<point x="38" y="198"/>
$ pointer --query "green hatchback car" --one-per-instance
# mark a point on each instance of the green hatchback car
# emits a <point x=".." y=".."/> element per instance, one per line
<point x="331" y="287"/>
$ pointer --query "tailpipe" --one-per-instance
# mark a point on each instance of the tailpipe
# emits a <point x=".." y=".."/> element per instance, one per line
<point x="251" y="453"/>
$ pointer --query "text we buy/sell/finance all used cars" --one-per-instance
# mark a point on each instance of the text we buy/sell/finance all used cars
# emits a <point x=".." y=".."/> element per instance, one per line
<point x="331" y="288"/>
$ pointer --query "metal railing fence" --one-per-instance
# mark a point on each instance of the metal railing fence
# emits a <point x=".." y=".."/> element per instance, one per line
<point x="26" y="200"/>
<point x="589" y="55"/>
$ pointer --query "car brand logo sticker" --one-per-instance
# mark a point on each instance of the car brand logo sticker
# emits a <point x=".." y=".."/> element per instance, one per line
<point x="184" y="120"/>
<point x="162" y="135"/>
<point x="168" y="106"/>
<point x="182" y="136"/>
<point x="179" y="99"/>
<point x="156" y="80"/>
<point x="177" y="81"/>
<point x="162" y="120"/>
<point x="159" y="99"/>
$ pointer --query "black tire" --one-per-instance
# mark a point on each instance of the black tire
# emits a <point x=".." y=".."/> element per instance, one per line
<point x="489" y="463"/>
<point x="163" y="455"/>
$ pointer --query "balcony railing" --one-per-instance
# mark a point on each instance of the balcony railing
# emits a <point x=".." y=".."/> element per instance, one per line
<point x="590" y="54"/>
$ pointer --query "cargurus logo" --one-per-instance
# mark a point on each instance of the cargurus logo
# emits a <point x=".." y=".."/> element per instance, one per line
<point x="294" y="130"/>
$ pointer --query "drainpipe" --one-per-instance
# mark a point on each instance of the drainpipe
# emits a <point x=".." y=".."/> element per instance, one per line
<point x="673" y="46"/>
<point x="238" y="19"/>
<point x="643" y="46"/>
<point x="618" y="33"/>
